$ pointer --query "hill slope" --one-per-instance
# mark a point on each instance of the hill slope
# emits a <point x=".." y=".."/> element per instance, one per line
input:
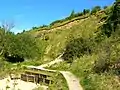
<point x="93" y="69"/>
<point x="57" y="37"/>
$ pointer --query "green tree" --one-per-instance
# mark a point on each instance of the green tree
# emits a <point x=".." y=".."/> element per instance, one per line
<point x="77" y="48"/>
<point x="4" y="29"/>
<point x="23" y="31"/>
<point x="105" y="7"/>
<point x="113" y="20"/>
<point x="95" y="9"/>
<point x="85" y="11"/>
<point x="72" y="13"/>
<point x="22" y="45"/>
<point x="34" y="28"/>
<point x="115" y="16"/>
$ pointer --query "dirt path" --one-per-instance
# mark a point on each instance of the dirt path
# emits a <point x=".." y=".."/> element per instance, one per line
<point x="72" y="81"/>
<point x="57" y="60"/>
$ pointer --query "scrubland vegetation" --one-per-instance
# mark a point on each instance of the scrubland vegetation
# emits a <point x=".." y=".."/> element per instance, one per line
<point x="91" y="48"/>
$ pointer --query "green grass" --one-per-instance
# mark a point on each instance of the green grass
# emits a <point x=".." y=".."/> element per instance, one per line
<point x="59" y="83"/>
<point x="58" y="38"/>
<point x="81" y="67"/>
<point x="89" y="80"/>
<point x="60" y="24"/>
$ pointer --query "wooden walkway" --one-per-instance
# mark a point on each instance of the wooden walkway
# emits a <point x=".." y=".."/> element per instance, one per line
<point x="39" y="74"/>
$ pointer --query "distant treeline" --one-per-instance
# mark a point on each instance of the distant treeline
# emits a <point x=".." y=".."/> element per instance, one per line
<point x="71" y="16"/>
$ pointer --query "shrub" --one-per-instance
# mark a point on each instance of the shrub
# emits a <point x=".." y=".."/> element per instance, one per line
<point x="104" y="57"/>
<point x="72" y="14"/>
<point x="95" y="9"/>
<point x="105" y="7"/>
<point x="76" y="48"/>
<point x="57" y="21"/>
<point x="43" y="26"/>
<point x="112" y="22"/>
<point x="85" y="11"/>
<point x="108" y="56"/>
<point x="34" y="28"/>
<point x="101" y="65"/>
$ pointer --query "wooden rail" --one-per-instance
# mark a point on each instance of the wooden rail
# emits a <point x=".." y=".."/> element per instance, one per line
<point x="38" y="76"/>
<point x="45" y="77"/>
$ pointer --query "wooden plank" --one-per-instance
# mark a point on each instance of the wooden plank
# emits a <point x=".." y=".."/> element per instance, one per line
<point x="38" y="76"/>
<point x="40" y="72"/>
<point x="29" y="78"/>
<point x="24" y="77"/>
<point x="49" y="78"/>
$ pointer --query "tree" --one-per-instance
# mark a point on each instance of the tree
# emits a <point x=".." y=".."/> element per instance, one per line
<point x="21" y="46"/>
<point x="105" y="7"/>
<point x="77" y="48"/>
<point x="7" y="26"/>
<point x="113" y="20"/>
<point x="95" y="9"/>
<point x="72" y="13"/>
<point x="115" y="16"/>
<point x="4" y="29"/>
<point x="34" y="28"/>
<point x="17" y="46"/>
<point x="23" y="31"/>
<point x="85" y="11"/>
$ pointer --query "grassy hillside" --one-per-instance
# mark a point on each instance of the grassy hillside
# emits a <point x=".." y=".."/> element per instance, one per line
<point x="96" y="70"/>
<point x="95" y="57"/>
<point x="56" y="39"/>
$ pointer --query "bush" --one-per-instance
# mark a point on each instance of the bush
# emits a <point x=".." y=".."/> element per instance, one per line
<point x="104" y="57"/>
<point x="76" y="48"/>
<point x="43" y="26"/>
<point x="57" y="21"/>
<point x="105" y="7"/>
<point x="112" y="23"/>
<point x="79" y="14"/>
<point x="108" y="56"/>
<point x="85" y="11"/>
<point x="75" y="15"/>
<point x="20" y="46"/>
<point x="95" y="9"/>
<point x="101" y="65"/>
<point x="34" y="28"/>
<point x="72" y="14"/>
